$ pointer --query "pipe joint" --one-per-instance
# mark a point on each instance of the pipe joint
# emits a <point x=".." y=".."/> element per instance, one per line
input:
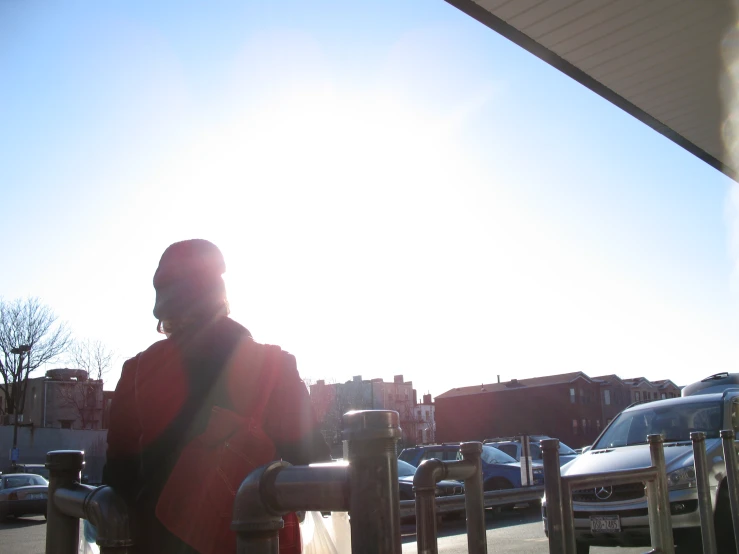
<point x="428" y="474"/>
<point x="255" y="506"/>
<point x="107" y="511"/>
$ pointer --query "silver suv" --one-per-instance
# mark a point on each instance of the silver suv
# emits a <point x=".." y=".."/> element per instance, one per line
<point x="710" y="406"/>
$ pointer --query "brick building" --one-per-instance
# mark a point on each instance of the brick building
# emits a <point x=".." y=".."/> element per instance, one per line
<point x="571" y="407"/>
<point x="332" y="400"/>
<point x="63" y="398"/>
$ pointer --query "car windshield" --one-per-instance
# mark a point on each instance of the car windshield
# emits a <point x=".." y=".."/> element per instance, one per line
<point x="491" y="455"/>
<point x="405" y="469"/>
<point x="674" y="422"/>
<point x="20" y="481"/>
<point x="565" y="450"/>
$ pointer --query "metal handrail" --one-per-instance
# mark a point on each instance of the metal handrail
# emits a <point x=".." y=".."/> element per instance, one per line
<point x="367" y="487"/>
<point x="69" y="501"/>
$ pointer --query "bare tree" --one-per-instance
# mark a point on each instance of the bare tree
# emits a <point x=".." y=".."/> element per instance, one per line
<point x="92" y="356"/>
<point x="83" y="400"/>
<point x="30" y="335"/>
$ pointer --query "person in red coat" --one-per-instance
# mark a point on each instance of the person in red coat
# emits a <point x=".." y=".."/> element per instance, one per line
<point x="195" y="413"/>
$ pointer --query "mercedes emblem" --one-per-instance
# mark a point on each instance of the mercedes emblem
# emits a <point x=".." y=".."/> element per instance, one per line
<point x="603" y="493"/>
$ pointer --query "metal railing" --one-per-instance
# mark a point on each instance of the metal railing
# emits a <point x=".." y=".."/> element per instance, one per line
<point x="560" y="516"/>
<point x="367" y="488"/>
<point x="69" y="501"/>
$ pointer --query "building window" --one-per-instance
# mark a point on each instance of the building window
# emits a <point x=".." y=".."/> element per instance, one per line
<point x="607" y="397"/>
<point x="572" y="396"/>
<point x="584" y="426"/>
<point x="637" y="398"/>
<point x="663" y="396"/>
<point x="582" y="396"/>
<point x="597" y="425"/>
<point x="574" y="427"/>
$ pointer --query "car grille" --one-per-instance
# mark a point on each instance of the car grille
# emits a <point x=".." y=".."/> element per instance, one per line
<point x="630" y="491"/>
<point x="449" y="491"/>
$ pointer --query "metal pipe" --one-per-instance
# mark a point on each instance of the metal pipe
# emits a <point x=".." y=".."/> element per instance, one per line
<point x="70" y="500"/>
<point x="429" y="473"/>
<point x="314" y="488"/>
<point x="553" y="491"/>
<point x="108" y="512"/>
<point x="257" y="525"/>
<point x="663" y="531"/>
<point x="730" y="458"/>
<point x="372" y="436"/>
<point x="474" y="503"/>
<point x="705" y="509"/>
<point x="62" y="530"/>
<point x="568" y="518"/>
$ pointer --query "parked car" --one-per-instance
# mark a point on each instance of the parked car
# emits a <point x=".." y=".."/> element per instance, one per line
<point x="499" y="470"/>
<point x="36" y="469"/>
<point x="617" y="516"/>
<point x="513" y="448"/>
<point x="405" y="482"/>
<point x="22" y="494"/>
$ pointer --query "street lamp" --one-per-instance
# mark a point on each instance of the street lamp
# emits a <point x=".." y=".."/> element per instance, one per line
<point x="19" y="351"/>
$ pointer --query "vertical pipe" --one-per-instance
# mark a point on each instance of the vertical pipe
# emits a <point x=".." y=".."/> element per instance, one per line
<point x="62" y="531"/>
<point x="655" y="535"/>
<point x="474" y="502"/>
<point x="663" y="495"/>
<point x="374" y="508"/>
<point x="727" y="438"/>
<point x="708" y="533"/>
<point x="553" y="490"/>
<point x="426" y="516"/>
<point x="568" y="519"/>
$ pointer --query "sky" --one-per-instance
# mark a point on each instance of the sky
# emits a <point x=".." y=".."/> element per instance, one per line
<point x="396" y="190"/>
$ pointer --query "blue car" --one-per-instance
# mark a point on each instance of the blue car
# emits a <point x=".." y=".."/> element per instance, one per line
<point x="499" y="470"/>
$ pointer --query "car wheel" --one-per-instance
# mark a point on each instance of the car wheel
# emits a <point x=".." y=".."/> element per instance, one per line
<point x="582" y="548"/>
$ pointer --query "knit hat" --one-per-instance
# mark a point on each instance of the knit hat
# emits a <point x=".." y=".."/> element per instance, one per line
<point x="188" y="280"/>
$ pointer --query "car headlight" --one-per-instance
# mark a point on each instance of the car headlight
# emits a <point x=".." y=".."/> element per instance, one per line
<point x="683" y="478"/>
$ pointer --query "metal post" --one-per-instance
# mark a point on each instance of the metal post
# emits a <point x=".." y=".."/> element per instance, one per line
<point x="568" y="518"/>
<point x="62" y="531"/>
<point x="708" y="532"/>
<point x="553" y="490"/>
<point x="661" y="533"/>
<point x="474" y="502"/>
<point x="727" y="438"/>
<point x="374" y="507"/>
<point x="424" y="488"/>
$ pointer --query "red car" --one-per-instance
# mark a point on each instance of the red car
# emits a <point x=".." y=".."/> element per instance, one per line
<point x="23" y="494"/>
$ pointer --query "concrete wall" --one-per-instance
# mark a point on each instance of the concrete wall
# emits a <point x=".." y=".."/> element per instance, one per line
<point x="35" y="442"/>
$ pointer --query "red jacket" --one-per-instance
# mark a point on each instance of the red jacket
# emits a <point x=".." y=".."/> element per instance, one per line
<point x="179" y="392"/>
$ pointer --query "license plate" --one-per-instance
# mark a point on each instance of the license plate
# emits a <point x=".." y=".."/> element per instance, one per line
<point x="36" y="496"/>
<point x="605" y="524"/>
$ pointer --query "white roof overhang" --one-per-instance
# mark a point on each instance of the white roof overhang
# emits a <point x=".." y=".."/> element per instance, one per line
<point x="666" y="62"/>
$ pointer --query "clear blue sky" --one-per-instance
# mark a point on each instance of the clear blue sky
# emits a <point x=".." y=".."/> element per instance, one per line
<point x="396" y="188"/>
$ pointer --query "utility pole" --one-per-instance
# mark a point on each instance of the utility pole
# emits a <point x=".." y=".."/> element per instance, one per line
<point x="19" y="390"/>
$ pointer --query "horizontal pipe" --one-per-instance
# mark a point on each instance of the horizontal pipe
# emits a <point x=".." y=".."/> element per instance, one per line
<point x="455" y="503"/>
<point x="459" y="470"/>
<point x="70" y="499"/>
<point x="314" y="488"/>
<point x="611" y="478"/>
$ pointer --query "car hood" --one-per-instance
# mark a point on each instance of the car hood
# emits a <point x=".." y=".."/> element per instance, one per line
<point x="631" y="457"/>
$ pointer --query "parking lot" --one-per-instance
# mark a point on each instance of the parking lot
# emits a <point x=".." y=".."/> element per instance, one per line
<point x="517" y="532"/>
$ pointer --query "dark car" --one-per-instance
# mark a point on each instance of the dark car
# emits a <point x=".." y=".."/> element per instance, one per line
<point x="405" y="483"/>
<point x="22" y="494"/>
<point x="499" y="470"/>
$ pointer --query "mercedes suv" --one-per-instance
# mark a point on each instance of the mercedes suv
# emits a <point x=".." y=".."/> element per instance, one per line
<point x="617" y="516"/>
